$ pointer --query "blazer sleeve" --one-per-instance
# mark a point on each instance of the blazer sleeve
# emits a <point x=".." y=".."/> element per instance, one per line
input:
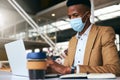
<point x="111" y="62"/>
<point x="66" y="61"/>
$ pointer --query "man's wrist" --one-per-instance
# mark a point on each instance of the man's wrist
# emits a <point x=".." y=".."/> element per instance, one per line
<point x="73" y="70"/>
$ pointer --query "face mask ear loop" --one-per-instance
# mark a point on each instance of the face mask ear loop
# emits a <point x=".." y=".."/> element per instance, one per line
<point x="85" y="16"/>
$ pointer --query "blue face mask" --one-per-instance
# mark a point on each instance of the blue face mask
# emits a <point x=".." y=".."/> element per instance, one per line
<point x="77" y="24"/>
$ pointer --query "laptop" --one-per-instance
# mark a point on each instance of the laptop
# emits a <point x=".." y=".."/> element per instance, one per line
<point x="17" y="57"/>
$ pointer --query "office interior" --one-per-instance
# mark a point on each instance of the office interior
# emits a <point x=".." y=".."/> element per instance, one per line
<point x="44" y="25"/>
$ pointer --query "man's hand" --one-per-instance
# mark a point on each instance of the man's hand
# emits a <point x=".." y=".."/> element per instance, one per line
<point x="58" y="67"/>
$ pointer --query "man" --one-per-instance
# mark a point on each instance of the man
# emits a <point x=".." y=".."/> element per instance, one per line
<point x="92" y="49"/>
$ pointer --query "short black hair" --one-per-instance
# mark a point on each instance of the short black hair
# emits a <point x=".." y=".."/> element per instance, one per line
<point x="74" y="2"/>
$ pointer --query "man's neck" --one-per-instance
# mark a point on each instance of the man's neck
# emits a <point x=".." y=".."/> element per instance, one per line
<point x="86" y="27"/>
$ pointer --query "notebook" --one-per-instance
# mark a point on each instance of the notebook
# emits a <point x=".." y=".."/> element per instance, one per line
<point x="89" y="76"/>
<point x="17" y="57"/>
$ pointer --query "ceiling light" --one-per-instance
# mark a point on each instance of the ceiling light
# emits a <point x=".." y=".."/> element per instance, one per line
<point x="53" y="14"/>
<point x="107" y="10"/>
<point x="109" y="16"/>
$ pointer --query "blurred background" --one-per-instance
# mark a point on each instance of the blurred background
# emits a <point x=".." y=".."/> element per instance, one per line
<point x="52" y="20"/>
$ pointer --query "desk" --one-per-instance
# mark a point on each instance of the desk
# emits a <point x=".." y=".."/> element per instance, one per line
<point x="9" y="76"/>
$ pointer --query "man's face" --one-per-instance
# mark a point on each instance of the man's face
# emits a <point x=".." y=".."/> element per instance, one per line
<point x="76" y="11"/>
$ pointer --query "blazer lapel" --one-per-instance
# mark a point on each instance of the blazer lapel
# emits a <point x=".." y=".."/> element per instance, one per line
<point x="90" y="43"/>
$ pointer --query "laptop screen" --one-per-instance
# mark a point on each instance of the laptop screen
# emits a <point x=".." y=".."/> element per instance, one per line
<point x="17" y="57"/>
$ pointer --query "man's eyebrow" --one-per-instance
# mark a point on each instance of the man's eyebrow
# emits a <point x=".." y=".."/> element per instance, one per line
<point x="73" y="14"/>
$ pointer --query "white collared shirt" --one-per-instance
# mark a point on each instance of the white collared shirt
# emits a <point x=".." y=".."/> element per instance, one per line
<point x="80" y="49"/>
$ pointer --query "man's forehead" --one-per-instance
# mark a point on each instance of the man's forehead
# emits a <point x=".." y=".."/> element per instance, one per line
<point x="78" y="8"/>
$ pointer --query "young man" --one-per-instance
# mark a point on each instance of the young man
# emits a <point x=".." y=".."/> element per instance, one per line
<point x="92" y="49"/>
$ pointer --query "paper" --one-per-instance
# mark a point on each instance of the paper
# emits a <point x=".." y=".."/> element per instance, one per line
<point x="74" y="76"/>
<point x="101" y="75"/>
<point x="91" y="75"/>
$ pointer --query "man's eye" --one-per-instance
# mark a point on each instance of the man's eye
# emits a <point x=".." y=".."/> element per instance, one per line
<point x="75" y="15"/>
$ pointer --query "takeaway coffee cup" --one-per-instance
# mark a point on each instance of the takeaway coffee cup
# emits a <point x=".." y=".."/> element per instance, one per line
<point x="36" y="65"/>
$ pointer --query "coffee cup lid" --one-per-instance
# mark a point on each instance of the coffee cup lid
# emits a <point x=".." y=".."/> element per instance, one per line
<point x="36" y="55"/>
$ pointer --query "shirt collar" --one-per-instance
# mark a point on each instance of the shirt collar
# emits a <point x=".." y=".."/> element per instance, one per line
<point x="85" y="33"/>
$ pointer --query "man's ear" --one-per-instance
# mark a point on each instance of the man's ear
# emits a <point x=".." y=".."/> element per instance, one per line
<point x="89" y="13"/>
